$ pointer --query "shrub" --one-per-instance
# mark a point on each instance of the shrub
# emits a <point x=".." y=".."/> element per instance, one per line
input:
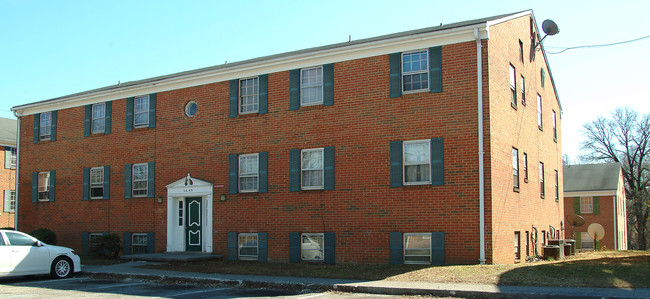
<point x="106" y="246"/>
<point x="44" y="235"/>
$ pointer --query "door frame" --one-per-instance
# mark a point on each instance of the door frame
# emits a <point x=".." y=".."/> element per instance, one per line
<point x="179" y="191"/>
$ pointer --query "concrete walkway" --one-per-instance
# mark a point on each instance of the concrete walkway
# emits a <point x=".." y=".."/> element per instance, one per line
<point x="132" y="270"/>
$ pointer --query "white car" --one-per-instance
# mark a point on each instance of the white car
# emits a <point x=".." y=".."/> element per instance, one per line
<point x="22" y="254"/>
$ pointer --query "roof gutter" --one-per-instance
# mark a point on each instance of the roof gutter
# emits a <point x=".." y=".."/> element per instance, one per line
<point x="481" y="170"/>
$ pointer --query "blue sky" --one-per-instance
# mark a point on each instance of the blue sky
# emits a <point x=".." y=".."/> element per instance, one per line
<point x="55" y="48"/>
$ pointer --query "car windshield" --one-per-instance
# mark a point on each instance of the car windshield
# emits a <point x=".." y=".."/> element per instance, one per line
<point x="16" y="239"/>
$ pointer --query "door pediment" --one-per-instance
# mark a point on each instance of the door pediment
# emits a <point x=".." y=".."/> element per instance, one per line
<point x="189" y="186"/>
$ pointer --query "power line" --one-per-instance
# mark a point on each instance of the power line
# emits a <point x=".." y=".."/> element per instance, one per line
<point x="598" y="46"/>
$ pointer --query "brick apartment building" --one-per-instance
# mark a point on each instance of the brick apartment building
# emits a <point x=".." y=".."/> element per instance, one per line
<point x="367" y="151"/>
<point x="8" y="172"/>
<point x="596" y="192"/>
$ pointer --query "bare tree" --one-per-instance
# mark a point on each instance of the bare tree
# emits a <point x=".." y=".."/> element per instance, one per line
<point x="624" y="137"/>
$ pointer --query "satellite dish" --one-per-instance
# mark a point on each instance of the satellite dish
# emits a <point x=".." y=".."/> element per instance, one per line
<point x="596" y="231"/>
<point x="549" y="27"/>
<point x="575" y="220"/>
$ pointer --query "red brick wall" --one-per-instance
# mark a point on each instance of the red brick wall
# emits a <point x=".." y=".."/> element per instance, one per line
<point x="361" y="211"/>
<point x="605" y="217"/>
<point x="7" y="182"/>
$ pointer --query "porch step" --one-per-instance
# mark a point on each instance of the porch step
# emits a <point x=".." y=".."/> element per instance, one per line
<point x="172" y="257"/>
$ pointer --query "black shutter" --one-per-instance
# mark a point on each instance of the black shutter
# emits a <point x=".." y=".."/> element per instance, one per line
<point x="128" y="172"/>
<point x="294" y="89"/>
<point x="151" y="180"/>
<point x="129" y="114"/>
<point x="84" y="243"/>
<point x="328" y="168"/>
<point x="53" y="128"/>
<point x="396" y="172"/>
<point x="232" y="246"/>
<point x="107" y="182"/>
<point x="437" y="162"/>
<point x="86" y="184"/>
<point x="107" y="117"/>
<point x="294" y="170"/>
<point x="263" y="94"/>
<point x="294" y="247"/>
<point x="233" y="174"/>
<point x="435" y="69"/>
<point x="233" y="99"/>
<point x="330" y="248"/>
<point x="328" y="84"/>
<point x="34" y="186"/>
<point x="152" y="110"/>
<point x="438" y="248"/>
<point x="263" y="175"/>
<point x="127" y="243"/>
<point x="37" y="126"/>
<point x="262" y="241"/>
<point x="52" y="185"/>
<point x="396" y="248"/>
<point x="395" y="75"/>
<point x="88" y="120"/>
<point x="151" y="241"/>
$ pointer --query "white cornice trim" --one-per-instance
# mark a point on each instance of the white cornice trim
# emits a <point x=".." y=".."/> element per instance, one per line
<point x="272" y="65"/>
<point x="590" y="193"/>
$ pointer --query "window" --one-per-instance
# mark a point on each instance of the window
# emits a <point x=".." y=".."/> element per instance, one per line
<point x="190" y="109"/>
<point x="417" y="162"/>
<point x="587" y="241"/>
<point x="140" y="179"/>
<point x="542" y="75"/>
<point x="98" y="118"/>
<point x="554" y="126"/>
<point x="247" y="247"/>
<point x="521" y="51"/>
<point x="10" y="157"/>
<point x="311" y="86"/>
<point x="517" y="247"/>
<point x="44" y="186"/>
<point x="18" y="239"/>
<point x="97" y="183"/>
<point x="586" y="205"/>
<point x="525" y="168"/>
<point x="513" y="87"/>
<point x="515" y="169"/>
<point x="45" y="128"/>
<point x="527" y="243"/>
<point x="141" y="111"/>
<point x="248" y="173"/>
<point x="312" y="247"/>
<point x="138" y="243"/>
<point x="9" y="202"/>
<point x="248" y="95"/>
<point x="311" y="164"/>
<point x="523" y="91"/>
<point x="541" y="179"/>
<point x="539" y="111"/>
<point x="415" y="71"/>
<point x="417" y="248"/>
<point x="181" y="213"/>
<point x="557" y="187"/>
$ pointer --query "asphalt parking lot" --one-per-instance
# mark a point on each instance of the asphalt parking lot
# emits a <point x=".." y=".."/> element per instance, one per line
<point x="83" y="287"/>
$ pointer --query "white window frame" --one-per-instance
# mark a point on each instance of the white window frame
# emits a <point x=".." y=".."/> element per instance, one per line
<point x="405" y="164"/>
<point x="586" y="205"/>
<point x="254" y="174"/>
<point x="92" y="236"/>
<point x="98" y="116"/>
<point x="523" y="90"/>
<point x="517" y="245"/>
<point x="513" y="86"/>
<point x="146" y="180"/>
<point x="585" y="238"/>
<point x="44" y="189"/>
<point x="141" y="107"/>
<point x="255" y="96"/>
<point x="541" y="180"/>
<point x="320" y="256"/>
<point x="94" y="185"/>
<point x="418" y="72"/>
<point x="515" y="168"/>
<point x="303" y="169"/>
<point x="139" y="236"/>
<point x="247" y="237"/>
<point x="406" y="244"/>
<point x="45" y="126"/>
<point x="311" y="85"/>
<point x="181" y="213"/>
<point x="554" y="126"/>
<point x="540" y="116"/>
<point x="9" y="203"/>
<point x="557" y="186"/>
<point x="525" y="168"/>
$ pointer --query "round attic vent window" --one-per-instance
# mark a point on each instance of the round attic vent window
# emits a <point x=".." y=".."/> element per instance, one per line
<point x="190" y="109"/>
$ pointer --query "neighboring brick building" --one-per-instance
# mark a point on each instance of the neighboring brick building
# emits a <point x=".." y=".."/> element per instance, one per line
<point x="8" y="172"/>
<point x="597" y="193"/>
<point x="366" y="152"/>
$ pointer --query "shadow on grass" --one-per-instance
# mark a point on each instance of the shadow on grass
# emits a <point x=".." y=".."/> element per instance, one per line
<point x="605" y="272"/>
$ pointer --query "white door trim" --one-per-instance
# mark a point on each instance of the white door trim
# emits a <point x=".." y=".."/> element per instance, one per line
<point x="180" y="190"/>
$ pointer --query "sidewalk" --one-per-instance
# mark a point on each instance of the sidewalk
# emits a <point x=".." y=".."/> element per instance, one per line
<point x="131" y="270"/>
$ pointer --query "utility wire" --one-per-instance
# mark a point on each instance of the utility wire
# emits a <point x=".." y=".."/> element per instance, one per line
<point x="599" y="46"/>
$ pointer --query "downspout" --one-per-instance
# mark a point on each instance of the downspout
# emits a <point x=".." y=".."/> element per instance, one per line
<point x="17" y="171"/>
<point x="481" y="176"/>
<point x="615" y="209"/>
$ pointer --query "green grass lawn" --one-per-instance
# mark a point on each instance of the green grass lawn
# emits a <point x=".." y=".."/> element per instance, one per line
<point x="620" y="269"/>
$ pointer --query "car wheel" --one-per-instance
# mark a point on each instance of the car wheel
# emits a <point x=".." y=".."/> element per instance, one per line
<point x="62" y="267"/>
